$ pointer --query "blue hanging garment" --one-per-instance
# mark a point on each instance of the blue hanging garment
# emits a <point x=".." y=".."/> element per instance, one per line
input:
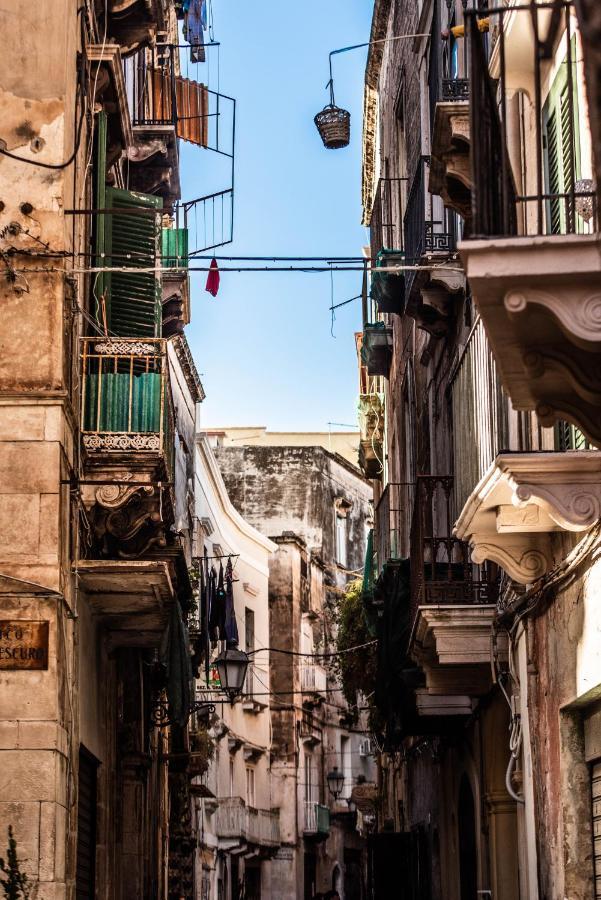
<point x="195" y="25"/>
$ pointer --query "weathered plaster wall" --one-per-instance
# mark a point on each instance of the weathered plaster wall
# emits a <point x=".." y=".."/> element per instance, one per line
<point x="294" y="489"/>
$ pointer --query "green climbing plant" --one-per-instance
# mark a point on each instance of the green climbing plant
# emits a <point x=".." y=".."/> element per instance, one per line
<point x="357" y="670"/>
<point x="14" y="883"/>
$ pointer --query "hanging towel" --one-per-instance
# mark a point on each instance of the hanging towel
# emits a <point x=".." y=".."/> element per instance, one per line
<point x="213" y="278"/>
<point x="231" y="627"/>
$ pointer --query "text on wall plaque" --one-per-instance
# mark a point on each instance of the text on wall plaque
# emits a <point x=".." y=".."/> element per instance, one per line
<point x="23" y="645"/>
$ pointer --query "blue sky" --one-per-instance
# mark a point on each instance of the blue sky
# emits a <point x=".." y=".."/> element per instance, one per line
<point x="263" y="345"/>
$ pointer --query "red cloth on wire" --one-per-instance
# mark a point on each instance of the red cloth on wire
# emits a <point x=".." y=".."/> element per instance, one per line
<point x="212" y="285"/>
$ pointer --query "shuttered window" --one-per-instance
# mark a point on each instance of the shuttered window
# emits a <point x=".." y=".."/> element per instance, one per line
<point x="85" y="875"/>
<point x="562" y="151"/>
<point x="133" y="300"/>
<point x="128" y="304"/>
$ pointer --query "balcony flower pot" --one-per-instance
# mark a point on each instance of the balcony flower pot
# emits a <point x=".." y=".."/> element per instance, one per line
<point x="376" y="352"/>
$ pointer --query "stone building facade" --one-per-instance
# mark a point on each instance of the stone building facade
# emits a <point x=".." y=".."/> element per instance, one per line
<point x="479" y="187"/>
<point x="316" y="507"/>
<point x="97" y="417"/>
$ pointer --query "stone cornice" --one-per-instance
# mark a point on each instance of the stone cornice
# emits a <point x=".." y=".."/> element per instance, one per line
<point x="521" y="500"/>
<point x="540" y="301"/>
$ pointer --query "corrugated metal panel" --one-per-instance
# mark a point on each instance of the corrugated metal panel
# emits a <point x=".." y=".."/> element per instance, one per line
<point x="133" y="299"/>
<point x="192" y="111"/>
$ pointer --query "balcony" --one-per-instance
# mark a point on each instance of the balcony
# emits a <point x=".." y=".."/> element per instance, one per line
<point x="371" y="425"/>
<point x="316" y="825"/>
<point x="522" y="500"/>
<point x="386" y="238"/>
<point x="453" y="604"/>
<point x="376" y="349"/>
<point x="314" y="681"/>
<point x="127" y="438"/>
<point x="240" y="827"/>
<point x="450" y="175"/>
<point x="430" y="239"/>
<point x="309" y="729"/>
<point x="533" y="265"/>
<point x="133" y="23"/>
<point x="256" y="688"/>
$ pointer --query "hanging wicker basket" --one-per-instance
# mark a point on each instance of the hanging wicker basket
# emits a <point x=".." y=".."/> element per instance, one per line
<point x="334" y="126"/>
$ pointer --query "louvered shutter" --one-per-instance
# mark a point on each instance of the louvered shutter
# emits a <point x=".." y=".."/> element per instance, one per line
<point x="85" y="873"/>
<point x="133" y="300"/>
<point x="562" y="151"/>
<point x="596" y="798"/>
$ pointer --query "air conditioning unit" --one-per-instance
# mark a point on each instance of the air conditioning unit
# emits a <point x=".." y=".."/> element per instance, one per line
<point x="366" y="747"/>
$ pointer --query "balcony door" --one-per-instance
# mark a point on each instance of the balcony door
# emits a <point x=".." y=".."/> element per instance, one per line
<point x="468" y="855"/>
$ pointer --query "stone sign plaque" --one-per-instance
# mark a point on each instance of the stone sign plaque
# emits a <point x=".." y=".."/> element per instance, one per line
<point x="23" y="645"/>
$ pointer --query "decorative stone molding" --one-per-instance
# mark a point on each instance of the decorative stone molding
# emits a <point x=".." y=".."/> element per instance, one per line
<point x="117" y="441"/>
<point x="521" y="500"/>
<point x="543" y="323"/>
<point x="450" y="175"/>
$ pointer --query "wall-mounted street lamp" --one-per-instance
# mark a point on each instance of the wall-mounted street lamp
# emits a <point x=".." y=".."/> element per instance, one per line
<point x="335" y="780"/>
<point x="231" y="665"/>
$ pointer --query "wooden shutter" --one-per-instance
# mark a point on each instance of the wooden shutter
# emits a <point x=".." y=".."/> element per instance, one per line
<point x="562" y="150"/>
<point x="133" y="300"/>
<point x="85" y="875"/>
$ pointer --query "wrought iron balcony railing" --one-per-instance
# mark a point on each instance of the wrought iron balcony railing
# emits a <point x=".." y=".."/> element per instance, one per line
<point x="441" y="570"/>
<point x="392" y="518"/>
<point x="125" y="399"/>
<point x="455" y="89"/>
<point x="546" y="187"/>
<point x="386" y="223"/>
<point x="317" y="819"/>
<point x="430" y="228"/>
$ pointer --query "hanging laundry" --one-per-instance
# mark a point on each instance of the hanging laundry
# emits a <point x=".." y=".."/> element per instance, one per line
<point x="213" y="278"/>
<point x="213" y="608"/>
<point x="200" y="644"/>
<point x="217" y="621"/>
<point x="195" y="25"/>
<point x="231" y="627"/>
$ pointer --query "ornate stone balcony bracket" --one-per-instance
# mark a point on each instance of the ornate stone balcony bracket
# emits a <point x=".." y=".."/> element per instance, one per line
<point x="543" y="323"/>
<point x="450" y="176"/>
<point x="522" y="500"/>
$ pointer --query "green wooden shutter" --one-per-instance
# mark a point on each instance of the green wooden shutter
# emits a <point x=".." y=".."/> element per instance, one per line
<point x="133" y="299"/>
<point x="562" y="149"/>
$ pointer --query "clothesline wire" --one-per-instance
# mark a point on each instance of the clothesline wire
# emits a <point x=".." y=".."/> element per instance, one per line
<point x="314" y="655"/>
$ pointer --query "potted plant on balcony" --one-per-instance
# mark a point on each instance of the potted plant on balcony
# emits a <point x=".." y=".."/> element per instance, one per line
<point x="376" y="350"/>
<point x="388" y="288"/>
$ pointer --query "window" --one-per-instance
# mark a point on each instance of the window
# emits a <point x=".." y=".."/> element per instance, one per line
<point x="310" y="780"/>
<point x="249" y="630"/>
<point x="341" y="537"/>
<point x="346" y="765"/>
<point x="250" y="786"/>
<point x="232" y="782"/>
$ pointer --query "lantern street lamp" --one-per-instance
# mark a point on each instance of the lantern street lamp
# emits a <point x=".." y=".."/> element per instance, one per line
<point x="335" y="780"/>
<point x="231" y="665"/>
